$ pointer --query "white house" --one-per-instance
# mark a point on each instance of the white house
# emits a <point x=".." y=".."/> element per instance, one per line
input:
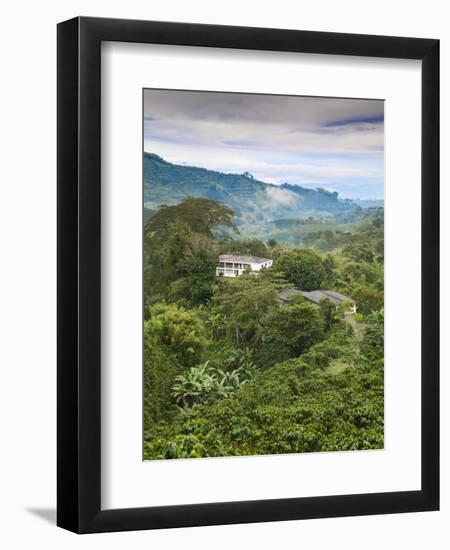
<point x="231" y="265"/>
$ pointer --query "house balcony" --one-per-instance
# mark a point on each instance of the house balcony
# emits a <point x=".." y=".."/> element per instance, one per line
<point x="229" y="272"/>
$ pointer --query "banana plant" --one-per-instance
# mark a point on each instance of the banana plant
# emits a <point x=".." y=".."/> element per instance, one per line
<point x="193" y="386"/>
<point x="202" y="383"/>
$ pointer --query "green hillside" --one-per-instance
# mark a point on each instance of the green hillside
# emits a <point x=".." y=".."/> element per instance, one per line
<point x="252" y="200"/>
<point x="148" y="213"/>
<point x="166" y="183"/>
<point x="324" y="232"/>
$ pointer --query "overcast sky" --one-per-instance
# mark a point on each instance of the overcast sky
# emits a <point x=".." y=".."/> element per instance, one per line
<point x="315" y="142"/>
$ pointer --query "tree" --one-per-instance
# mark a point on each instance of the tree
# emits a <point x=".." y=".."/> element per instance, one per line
<point x="174" y="251"/>
<point x="328" y="313"/>
<point x="368" y="299"/>
<point x="378" y="222"/>
<point x="202" y="216"/>
<point x="329" y="265"/>
<point x="179" y="251"/>
<point x="164" y="259"/>
<point x="379" y="249"/>
<point x="200" y="261"/>
<point x="244" y="301"/>
<point x="303" y="268"/>
<point x="202" y="274"/>
<point x="288" y="330"/>
<point x="248" y="246"/>
<point x="160" y="369"/>
<point x="179" y="331"/>
<point x="358" y="252"/>
<point x="184" y="269"/>
<point x="373" y="344"/>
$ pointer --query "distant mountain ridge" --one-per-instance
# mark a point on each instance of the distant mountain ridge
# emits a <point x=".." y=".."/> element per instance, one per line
<point x="252" y="200"/>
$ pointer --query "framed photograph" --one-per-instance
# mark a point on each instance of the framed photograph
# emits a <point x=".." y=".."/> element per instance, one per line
<point x="248" y="275"/>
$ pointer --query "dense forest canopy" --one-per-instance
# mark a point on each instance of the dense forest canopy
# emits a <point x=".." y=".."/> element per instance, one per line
<point x="231" y="370"/>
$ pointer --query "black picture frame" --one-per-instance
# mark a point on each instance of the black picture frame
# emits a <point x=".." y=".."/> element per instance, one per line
<point x="79" y="281"/>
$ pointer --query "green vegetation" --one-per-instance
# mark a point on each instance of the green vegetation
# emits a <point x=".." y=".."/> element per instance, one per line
<point x="303" y="268"/>
<point x="261" y="210"/>
<point x="228" y="368"/>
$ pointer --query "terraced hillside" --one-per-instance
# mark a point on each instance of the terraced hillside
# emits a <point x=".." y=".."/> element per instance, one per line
<point x="253" y="201"/>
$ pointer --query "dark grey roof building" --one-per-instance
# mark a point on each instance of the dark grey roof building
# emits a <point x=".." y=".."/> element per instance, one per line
<point x="314" y="296"/>
<point x="286" y="294"/>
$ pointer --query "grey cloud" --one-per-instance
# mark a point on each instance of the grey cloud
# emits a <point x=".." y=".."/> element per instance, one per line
<point x="260" y="109"/>
<point x="268" y="135"/>
<point x="275" y="123"/>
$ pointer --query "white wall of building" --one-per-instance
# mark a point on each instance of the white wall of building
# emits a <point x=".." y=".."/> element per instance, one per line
<point x="236" y="269"/>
